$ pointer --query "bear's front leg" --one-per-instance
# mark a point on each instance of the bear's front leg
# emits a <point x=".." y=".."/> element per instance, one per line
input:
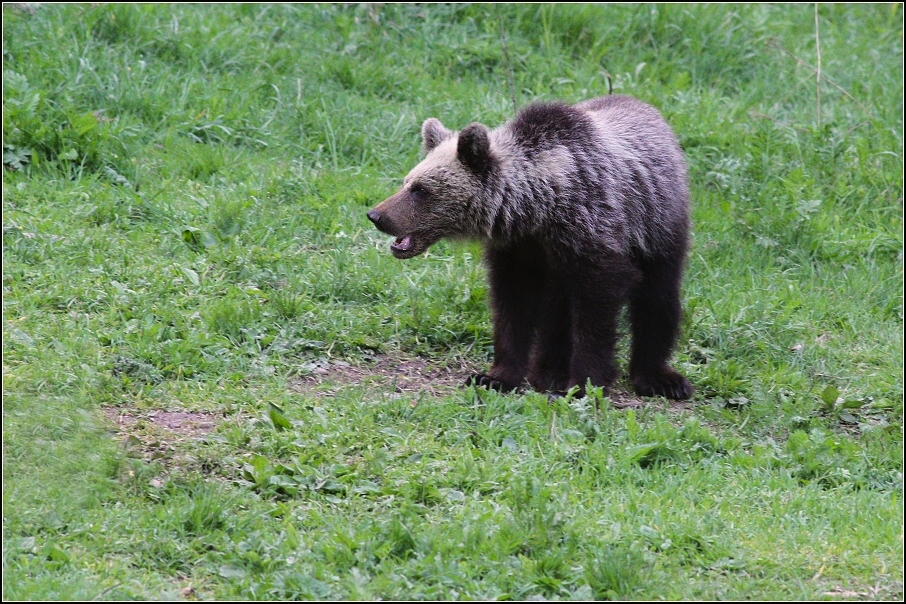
<point x="516" y="274"/>
<point x="599" y="291"/>
<point x="552" y="349"/>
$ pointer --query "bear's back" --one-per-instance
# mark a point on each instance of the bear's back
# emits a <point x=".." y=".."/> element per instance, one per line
<point x="620" y="126"/>
<point x="629" y="122"/>
<point x="543" y="126"/>
<point x="606" y="171"/>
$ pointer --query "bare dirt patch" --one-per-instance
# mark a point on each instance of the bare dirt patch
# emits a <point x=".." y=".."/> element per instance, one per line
<point x="388" y="374"/>
<point x="166" y="438"/>
<point x="412" y="375"/>
<point x="158" y="435"/>
<point x="621" y="399"/>
<point x="182" y="424"/>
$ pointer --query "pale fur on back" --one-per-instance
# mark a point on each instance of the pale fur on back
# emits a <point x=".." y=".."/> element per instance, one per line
<point x="605" y="174"/>
<point x="623" y="184"/>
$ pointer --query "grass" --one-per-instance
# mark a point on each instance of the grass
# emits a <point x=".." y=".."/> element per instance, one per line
<point x="184" y="191"/>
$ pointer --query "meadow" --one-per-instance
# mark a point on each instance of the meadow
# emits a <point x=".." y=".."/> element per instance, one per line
<point x="218" y="383"/>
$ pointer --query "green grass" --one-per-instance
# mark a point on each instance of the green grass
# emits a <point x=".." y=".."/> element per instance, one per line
<point x="184" y="198"/>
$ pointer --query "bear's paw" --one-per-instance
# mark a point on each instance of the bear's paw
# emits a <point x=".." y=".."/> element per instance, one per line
<point x="491" y="383"/>
<point x="666" y="382"/>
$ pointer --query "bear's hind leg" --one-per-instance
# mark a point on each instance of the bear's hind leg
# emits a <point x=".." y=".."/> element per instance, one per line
<point x="655" y="313"/>
<point x="516" y="275"/>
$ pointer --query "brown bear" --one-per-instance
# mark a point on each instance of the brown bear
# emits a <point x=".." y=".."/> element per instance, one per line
<point x="581" y="209"/>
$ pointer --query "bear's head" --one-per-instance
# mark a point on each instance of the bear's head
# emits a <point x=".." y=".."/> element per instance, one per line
<point x="443" y="196"/>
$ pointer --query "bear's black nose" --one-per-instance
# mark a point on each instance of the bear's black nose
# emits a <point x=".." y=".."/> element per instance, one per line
<point x="375" y="217"/>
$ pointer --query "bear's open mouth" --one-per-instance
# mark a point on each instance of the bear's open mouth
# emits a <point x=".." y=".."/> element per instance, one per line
<point x="408" y="246"/>
<point x="402" y="244"/>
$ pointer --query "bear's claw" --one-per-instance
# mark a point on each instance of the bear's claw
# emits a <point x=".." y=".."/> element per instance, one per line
<point x="555" y="395"/>
<point x="491" y="383"/>
<point x="667" y="383"/>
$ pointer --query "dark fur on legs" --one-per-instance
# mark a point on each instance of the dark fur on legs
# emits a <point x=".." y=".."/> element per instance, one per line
<point x="556" y="325"/>
<point x="552" y="348"/>
<point x="599" y="294"/>
<point x="517" y="274"/>
<point x="655" y="314"/>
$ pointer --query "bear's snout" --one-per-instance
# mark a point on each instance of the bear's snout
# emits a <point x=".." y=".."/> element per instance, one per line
<point x="383" y="221"/>
<point x="390" y="216"/>
<point x="375" y="217"/>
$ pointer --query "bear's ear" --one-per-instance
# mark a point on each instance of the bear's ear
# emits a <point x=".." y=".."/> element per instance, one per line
<point x="474" y="148"/>
<point x="433" y="134"/>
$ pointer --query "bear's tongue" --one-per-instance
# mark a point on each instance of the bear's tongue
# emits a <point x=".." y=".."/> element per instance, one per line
<point x="402" y="244"/>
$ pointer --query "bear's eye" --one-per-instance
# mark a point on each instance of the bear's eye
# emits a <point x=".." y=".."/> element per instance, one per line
<point x="418" y="190"/>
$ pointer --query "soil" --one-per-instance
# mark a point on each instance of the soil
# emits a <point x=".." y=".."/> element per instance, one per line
<point x="409" y="375"/>
<point x="153" y="430"/>
<point x="392" y="374"/>
<point x="182" y="424"/>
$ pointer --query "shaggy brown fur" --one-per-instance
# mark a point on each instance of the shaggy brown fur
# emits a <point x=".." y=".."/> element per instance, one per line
<point x="582" y="209"/>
